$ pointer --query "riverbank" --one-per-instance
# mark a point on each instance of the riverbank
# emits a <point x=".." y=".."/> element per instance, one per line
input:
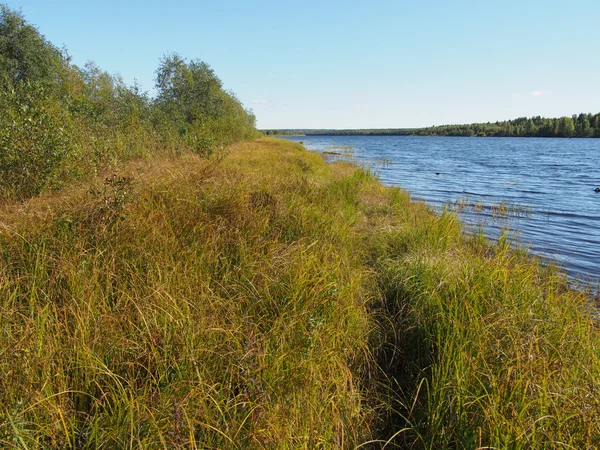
<point x="271" y="300"/>
<point x="549" y="180"/>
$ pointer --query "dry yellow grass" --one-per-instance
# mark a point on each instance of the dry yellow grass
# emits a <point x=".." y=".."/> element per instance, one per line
<point x="270" y="300"/>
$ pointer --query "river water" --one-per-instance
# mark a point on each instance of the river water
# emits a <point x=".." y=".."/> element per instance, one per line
<point x="540" y="189"/>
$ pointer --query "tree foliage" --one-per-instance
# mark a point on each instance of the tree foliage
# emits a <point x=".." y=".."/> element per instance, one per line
<point x="193" y="97"/>
<point x="25" y="55"/>
<point x="192" y="91"/>
<point x="59" y="121"/>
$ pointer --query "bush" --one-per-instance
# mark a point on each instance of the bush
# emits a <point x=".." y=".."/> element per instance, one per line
<point x="37" y="137"/>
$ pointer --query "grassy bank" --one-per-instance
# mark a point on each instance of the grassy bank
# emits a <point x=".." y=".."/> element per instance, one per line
<point x="269" y="300"/>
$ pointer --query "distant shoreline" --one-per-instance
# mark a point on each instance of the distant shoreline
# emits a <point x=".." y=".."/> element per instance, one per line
<point x="576" y="126"/>
<point x="423" y="135"/>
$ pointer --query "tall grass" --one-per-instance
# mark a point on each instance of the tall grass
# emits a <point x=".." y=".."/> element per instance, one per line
<point x="269" y="300"/>
<point x="193" y="304"/>
<point x="487" y="348"/>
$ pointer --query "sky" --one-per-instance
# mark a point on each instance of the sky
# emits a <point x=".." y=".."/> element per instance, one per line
<point x="351" y="64"/>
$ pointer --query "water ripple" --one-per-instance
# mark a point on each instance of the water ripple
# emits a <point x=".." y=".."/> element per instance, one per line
<point x="554" y="179"/>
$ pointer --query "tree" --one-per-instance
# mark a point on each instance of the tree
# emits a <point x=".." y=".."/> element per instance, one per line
<point x="566" y="127"/>
<point x="192" y="96"/>
<point x="192" y="91"/>
<point x="25" y="55"/>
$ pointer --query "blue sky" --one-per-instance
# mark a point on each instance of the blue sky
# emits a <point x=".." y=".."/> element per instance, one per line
<point x="345" y="64"/>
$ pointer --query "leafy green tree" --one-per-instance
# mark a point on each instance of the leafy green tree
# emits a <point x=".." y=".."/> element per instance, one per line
<point x="193" y="98"/>
<point x="529" y="129"/>
<point x="191" y="91"/>
<point x="25" y="55"/>
<point x="566" y="127"/>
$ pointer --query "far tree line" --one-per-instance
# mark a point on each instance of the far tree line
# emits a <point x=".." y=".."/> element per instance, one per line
<point x="580" y="126"/>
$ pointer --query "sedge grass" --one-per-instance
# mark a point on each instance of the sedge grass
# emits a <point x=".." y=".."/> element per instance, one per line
<point x="194" y="305"/>
<point x="494" y="351"/>
<point x="270" y="300"/>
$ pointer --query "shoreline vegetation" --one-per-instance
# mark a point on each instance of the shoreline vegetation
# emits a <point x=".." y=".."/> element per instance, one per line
<point x="268" y="299"/>
<point x="576" y="126"/>
<point x="60" y="122"/>
<point x="168" y="279"/>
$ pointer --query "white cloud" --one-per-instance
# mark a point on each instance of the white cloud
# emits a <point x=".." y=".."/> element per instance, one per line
<point x="533" y="94"/>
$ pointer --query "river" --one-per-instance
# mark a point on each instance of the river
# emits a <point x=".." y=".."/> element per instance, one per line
<point x="540" y="189"/>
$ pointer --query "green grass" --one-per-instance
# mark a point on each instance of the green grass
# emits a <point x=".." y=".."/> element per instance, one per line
<point x="270" y="300"/>
<point x="488" y="349"/>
